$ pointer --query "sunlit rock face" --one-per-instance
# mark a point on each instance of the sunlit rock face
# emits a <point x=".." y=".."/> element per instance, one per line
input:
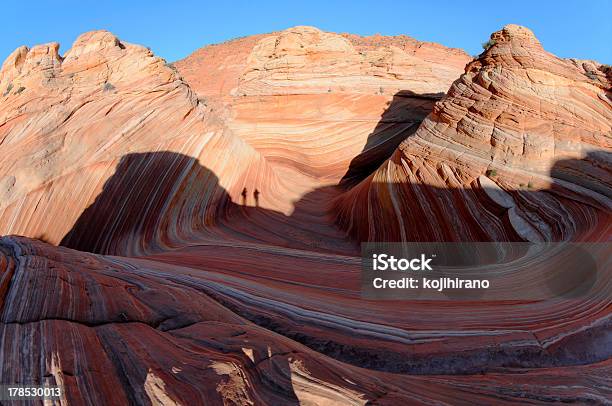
<point x="312" y="101"/>
<point x="69" y="127"/>
<point x="520" y="121"/>
<point x="209" y="215"/>
<point x="74" y="126"/>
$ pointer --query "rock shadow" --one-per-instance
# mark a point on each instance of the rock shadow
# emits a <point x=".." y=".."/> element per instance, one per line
<point x="149" y="193"/>
<point x="593" y="172"/>
<point x="400" y="120"/>
<point x="155" y="196"/>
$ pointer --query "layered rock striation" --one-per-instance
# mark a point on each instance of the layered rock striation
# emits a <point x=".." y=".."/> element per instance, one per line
<point x="209" y="214"/>
<point x="312" y="101"/>
<point x="75" y="126"/>
<point x="518" y="150"/>
<point x="177" y="329"/>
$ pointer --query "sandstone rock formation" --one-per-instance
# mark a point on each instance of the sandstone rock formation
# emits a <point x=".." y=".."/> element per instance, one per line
<point x="228" y="330"/>
<point x="172" y="286"/>
<point x="310" y="100"/>
<point x="520" y="120"/>
<point x="68" y="122"/>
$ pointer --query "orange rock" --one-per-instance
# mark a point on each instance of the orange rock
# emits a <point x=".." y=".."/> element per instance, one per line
<point x="309" y="101"/>
<point x="68" y="122"/>
<point x="519" y="115"/>
<point x="214" y="270"/>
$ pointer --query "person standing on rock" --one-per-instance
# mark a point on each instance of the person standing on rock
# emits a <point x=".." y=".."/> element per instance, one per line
<point x="244" y="196"/>
<point x="256" y="196"/>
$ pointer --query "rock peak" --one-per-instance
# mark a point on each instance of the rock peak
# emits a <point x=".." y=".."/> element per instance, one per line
<point x="303" y="28"/>
<point x="24" y="60"/>
<point x="513" y="45"/>
<point x="515" y="33"/>
<point x="95" y="36"/>
<point x="14" y="60"/>
<point x="300" y="41"/>
<point x="94" y="41"/>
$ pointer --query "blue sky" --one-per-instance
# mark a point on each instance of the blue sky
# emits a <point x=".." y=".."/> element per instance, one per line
<point x="174" y="29"/>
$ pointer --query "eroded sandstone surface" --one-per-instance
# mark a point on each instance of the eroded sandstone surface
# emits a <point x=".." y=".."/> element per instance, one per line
<point x="518" y="150"/>
<point x="190" y="232"/>
<point x="314" y="101"/>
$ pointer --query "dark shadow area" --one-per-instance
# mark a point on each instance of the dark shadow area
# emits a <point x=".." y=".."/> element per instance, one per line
<point x="244" y="195"/>
<point x="153" y="196"/>
<point x="134" y="201"/>
<point x="404" y="114"/>
<point x="476" y="213"/>
<point x="147" y="192"/>
<point x="256" y="197"/>
<point x="593" y="172"/>
<point x="150" y="193"/>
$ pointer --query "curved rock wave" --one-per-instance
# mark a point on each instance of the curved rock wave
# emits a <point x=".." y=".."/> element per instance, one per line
<point x="518" y="150"/>
<point x="151" y="330"/>
<point x="210" y="225"/>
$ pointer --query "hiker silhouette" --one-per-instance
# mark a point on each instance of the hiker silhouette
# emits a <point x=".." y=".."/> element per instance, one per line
<point x="256" y="196"/>
<point x="244" y="196"/>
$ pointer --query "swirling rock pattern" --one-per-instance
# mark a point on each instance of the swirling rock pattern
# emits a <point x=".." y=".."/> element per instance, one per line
<point x="69" y="128"/>
<point x="519" y="121"/>
<point x="106" y="99"/>
<point x="209" y="214"/>
<point x="151" y="331"/>
<point x="312" y="101"/>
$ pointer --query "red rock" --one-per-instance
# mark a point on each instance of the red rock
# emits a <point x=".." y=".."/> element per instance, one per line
<point x="528" y="120"/>
<point x="309" y="100"/>
<point x="195" y="293"/>
<point x="133" y="330"/>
